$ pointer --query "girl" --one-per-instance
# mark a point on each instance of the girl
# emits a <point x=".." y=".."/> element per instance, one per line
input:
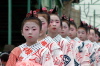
<point x="79" y="51"/>
<point x="65" y="28"/>
<point x="47" y="41"/>
<point x="53" y="31"/>
<point x="91" y="45"/>
<point x="30" y="53"/>
<point x="82" y="31"/>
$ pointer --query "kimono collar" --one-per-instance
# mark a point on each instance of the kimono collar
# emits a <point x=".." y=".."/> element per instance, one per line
<point x="77" y="39"/>
<point x="48" y="39"/>
<point x="68" y="38"/>
<point x="34" y="47"/>
<point x="57" y="38"/>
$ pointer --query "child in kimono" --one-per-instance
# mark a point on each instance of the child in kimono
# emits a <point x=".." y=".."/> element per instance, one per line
<point x="82" y="33"/>
<point x="65" y="28"/>
<point x="53" y="31"/>
<point x="30" y="53"/>
<point x="74" y="40"/>
<point x="93" y="47"/>
<point x="97" y="47"/>
<point x="47" y="41"/>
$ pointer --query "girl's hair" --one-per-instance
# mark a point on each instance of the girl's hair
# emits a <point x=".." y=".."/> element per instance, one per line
<point x="84" y="26"/>
<point x="96" y="31"/>
<point x="4" y="57"/>
<point x="30" y="17"/>
<point x="91" y="28"/>
<point x="45" y="15"/>
<point x="64" y="19"/>
<point x="72" y="23"/>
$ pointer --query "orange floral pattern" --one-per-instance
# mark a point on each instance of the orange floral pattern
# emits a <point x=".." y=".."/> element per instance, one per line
<point x="27" y="51"/>
<point x="43" y="43"/>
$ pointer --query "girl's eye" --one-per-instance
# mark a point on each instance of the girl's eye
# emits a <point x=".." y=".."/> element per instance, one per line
<point x="34" y="29"/>
<point x="26" y="29"/>
<point x="51" y="21"/>
<point x="65" y="27"/>
<point x="72" y="30"/>
<point x="78" y="32"/>
<point x="57" y="22"/>
<point x="82" y="33"/>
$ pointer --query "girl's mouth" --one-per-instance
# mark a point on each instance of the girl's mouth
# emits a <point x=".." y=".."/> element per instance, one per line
<point x="29" y="36"/>
<point x="54" y="28"/>
<point x="62" y="32"/>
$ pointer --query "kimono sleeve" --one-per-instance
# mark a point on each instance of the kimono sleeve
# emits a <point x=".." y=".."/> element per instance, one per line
<point x="58" y="57"/>
<point x="47" y="59"/>
<point x="13" y="56"/>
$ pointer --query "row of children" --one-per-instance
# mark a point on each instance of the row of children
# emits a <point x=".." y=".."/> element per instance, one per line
<point x="55" y="41"/>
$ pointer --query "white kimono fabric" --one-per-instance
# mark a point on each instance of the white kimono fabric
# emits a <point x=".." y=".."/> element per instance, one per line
<point x="97" y="54"/>
<point x="36" y="53"/>
<point x="66" y="49"/>
<point x="91" y="51"/>
<point x="97" y="61"/>
<point x="81" y="53"/>
<point x="57" y="54"/>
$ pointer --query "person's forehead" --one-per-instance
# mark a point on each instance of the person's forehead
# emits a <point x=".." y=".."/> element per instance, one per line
<point x="81" y="29"/>
<point x="30" y="24"/>
<point x="92" y="31"/>
<point x="54" y="17"/>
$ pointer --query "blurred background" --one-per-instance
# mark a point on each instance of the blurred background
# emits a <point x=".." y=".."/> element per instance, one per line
<point x="14" y="11"/>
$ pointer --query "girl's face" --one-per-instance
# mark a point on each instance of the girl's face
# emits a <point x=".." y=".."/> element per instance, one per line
<point x="91" y="35"/>
<point x="44" y="25"/>
<point x="65" y="29"/>
<point x="81" y="34"/>
<point x="54" y="24"/>
<point x="72" y="32"/>
<point x="31" y="31"/>
<point x="96" y="37"/>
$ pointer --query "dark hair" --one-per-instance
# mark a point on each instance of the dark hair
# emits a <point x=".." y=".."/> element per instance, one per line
<point x="96" y="31"/>
<point x="4" y="57"/>
<point x="72" y="23"/>
<point x="84" y="26"/>
<point x="45" y="15"/>
<point x="29" y="17"/>
<point x="64" y="19"/>
<point x="91" y="28"/>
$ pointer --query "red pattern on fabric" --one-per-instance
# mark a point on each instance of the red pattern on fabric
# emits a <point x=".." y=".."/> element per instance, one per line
<point x="79" y="56"/>
<point x="43" y="43"/>
<point x="69" y="47"/>
<point x="48" y="56"/>
<point x="27" y="51"/>
<point x="88" y="45"/>
<point x="20" y="58"/>
<point x="87" y="54"/>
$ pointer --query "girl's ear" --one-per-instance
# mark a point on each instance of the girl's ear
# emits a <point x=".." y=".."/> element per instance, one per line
<point x="22" y="33"/>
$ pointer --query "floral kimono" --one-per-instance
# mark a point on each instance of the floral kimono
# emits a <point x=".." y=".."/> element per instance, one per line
<point x="96" y="48"/>
<point x="66" y="49"/>
<point x="57" y="54"/>
<point x="97" y="56"/>
<point x="81" y="53"/>
<point x="34" y="55"/>
<point x="90" y="46"/>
